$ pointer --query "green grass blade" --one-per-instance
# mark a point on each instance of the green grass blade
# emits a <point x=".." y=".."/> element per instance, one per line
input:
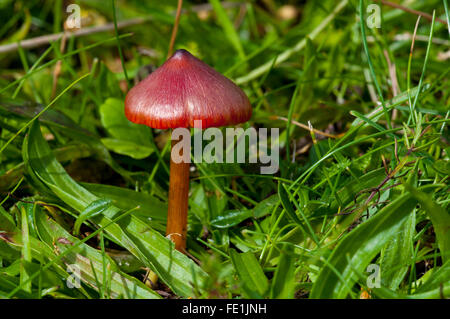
<point x="439" y="217"/>
<point x="369" y="60"/>
<point x="298" y="47"/>
<point x="283" y="282"/>
<point x="361" y="245"/>
<point x="41" y="112"/>
<point x="26" y="252"/>
<point x="228" y="27"/>
<point x="153" y="249"/>
<point x="252" y="277"/>
<point x="90" y="262"/>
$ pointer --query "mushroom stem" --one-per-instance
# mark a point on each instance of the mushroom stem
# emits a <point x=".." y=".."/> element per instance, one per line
<point x="178" y="203"/>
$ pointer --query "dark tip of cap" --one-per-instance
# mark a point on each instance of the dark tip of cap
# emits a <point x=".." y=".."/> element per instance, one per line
<point x="180" y="54"/>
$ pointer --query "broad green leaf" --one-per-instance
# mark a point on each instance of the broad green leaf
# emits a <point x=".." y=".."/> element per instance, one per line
<point x="354" y="252"/>
<point x="150" y="208"/>
<point x="93" y="209"/>
<point x="8" y="283"/>
<point x="40" y="252"/>
<point x="127" y="262"/>
<point x="435" y="293"/>
<point x="253" y="281"/>
<point x="89" y="262"/>
<point x="6" y="252"/>
<point x="55" y="119"/>
<point x="266" y="206"/>
<point x="283" y="282"/>
<point x="128" y="138"/>
<point x="48" y="278"/>
<point x="6" y="220"/>
<point x="396" y="255"/>
<point x="26" y="110"/>
<point x="26" y="251"/>
<point x="149" y="246"/>
<point x="439" y="217"/>
<point x="231" y="218"/>
<point x="129" y="148"/>
<point x="112" y="114"/>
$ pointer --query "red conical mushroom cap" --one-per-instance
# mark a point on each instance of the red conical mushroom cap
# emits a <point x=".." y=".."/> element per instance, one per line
<point x="185" y="89"/>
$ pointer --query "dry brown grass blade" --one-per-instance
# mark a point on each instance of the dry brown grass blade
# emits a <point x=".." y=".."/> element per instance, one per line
<point x="304" y="126"/>
<point x="175" y="28"/>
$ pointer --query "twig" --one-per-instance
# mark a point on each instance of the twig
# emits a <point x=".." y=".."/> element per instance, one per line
<point x="416" y="12"/>
<point x="306" y="127"/>
<point x="408" y="36"/>
<point x="45" y="39"/>
<point x="394" y="82"/>
<point x="413" y="38"/>
<point x="390" y="175"/>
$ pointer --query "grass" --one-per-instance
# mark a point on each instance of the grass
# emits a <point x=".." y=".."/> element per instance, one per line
<point x="358" y="209"/>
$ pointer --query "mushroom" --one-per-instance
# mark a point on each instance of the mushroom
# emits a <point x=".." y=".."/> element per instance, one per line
<point x="183" y="93"/>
